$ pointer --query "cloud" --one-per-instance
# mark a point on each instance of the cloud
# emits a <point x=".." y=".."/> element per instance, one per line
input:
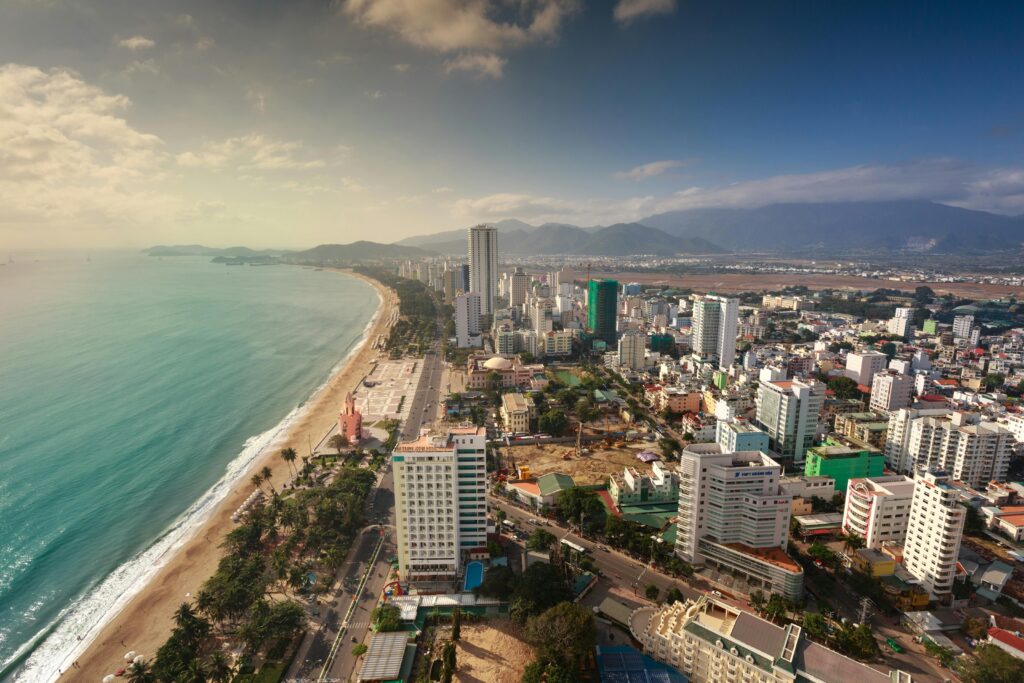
<point x="452" y="25"/>
<point x="136" y="43"/>
<point x="444" y="189"/>
<point x="67" y="155"/>
<point x="479" y="65"/>
<point x="401" y="68"/>
<point x="145" y="66"/>
<point x="203" y="44"/>
<point x="375" y="94"/>
<point x="947" y="181"/>
<point x="352" y="185"/>
<point x="645" y="171"/>
<point x="184" y="21"/>
<point x="628" y="10"/>
<point x="253" y="153"/>
<point x="258" y="98"/>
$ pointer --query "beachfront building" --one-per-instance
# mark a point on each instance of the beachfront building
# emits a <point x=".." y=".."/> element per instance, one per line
<point x="734" y="515"/>
<point x="350" y="421"/>
<point x="517" y="411"/>
<point x="440" y="505"/>
<point x="789" y="410"/>
<point x="843" y="463"/>
<point x="712" y="641"/>
<point x="878" y="509"/>
<point x="934" y="532"/>
<point x="633" y="488"/>
<point x="483" y="265"/>
<point x="505" y="371"/>
<point x="713" y="336"/>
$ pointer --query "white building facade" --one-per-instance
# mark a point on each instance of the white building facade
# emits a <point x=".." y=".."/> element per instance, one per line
<point x="934" y="532"/>
<point x="483" y="265"/>
<point x="878" y="509"/>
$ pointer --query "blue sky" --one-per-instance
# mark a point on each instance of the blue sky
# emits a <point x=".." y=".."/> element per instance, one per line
<point x="128" y="122"/>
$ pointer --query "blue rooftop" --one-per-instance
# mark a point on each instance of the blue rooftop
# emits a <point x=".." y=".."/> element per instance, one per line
<point x="625" y="664"/>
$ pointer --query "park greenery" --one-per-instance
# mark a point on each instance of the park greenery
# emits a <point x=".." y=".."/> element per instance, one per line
<point x="416" y="326"/>
<point x="269" y="562"/>
<point x="562" y="636"/>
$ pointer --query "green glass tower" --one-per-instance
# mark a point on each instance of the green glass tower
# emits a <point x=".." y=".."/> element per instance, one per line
<point x="602" y="307"/>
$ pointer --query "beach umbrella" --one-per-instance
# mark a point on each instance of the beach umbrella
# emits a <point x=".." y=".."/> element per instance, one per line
<point x="109" y="678"/>
<point x="139" y="659"/>
<point x="129" y="656"/>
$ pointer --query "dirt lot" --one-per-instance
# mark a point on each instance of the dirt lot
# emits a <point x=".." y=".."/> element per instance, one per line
<point x="755" y="282"/>
<point x="489" y="652"/>
<point x="586" y="470"/>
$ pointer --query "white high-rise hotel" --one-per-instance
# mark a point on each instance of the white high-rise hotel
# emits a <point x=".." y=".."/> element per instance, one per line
<point x="715" y="319"/>
<point x="440" y="504"/>
<point x="933" y="534"/>
<point x="483" y="265"/>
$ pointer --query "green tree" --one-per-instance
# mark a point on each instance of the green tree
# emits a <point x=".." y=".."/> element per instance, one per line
<point x="139" y="672"/>
<point x="564" y="634"/>
<point x="267" y="475"/>
<point x="669" y="447"/>
<point x="448" y="661"/>
<point x="652" y="592"/>
<point x="219" y="669"/>
<point x="857" y="642"/>
<point x="359" y="650"/>
<point x="843" y="387"/>
<point x="673" y="595"/>
<point x="540" y="539"/>
<point x="386" y="618"/>
<point x="814" y="624"/>
<point x="456" y="624"/>
<point x="776" y="607"/>
<point x="498" y="583"/>
<point x="537" y="589"/>
<point x="289" y="455"/>
<point x="574" y="502"/>
<point x="553" y="422"/>
<point x="338" y="442"/>
<point x="990" y="665"/>
<point x="757" y="600"/>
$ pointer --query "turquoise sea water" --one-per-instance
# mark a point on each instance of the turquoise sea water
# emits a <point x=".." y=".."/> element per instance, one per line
<point x="132" y="390"/>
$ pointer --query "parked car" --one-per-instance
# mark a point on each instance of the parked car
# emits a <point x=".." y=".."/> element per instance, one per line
<point x="896" y="647"/>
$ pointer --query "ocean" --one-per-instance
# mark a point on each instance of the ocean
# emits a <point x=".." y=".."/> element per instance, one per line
<point x="133" y="390"/>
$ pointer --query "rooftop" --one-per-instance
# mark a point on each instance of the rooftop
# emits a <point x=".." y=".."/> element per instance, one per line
<point x="384" y="657"/>
<point x="773" y="555"/>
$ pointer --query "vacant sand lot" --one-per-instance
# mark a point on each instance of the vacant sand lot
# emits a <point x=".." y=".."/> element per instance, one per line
<point x="585" y="470"/>
<point x="489" y="652"/>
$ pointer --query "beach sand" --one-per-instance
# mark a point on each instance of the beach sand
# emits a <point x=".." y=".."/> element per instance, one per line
<point x="145" y="622"/>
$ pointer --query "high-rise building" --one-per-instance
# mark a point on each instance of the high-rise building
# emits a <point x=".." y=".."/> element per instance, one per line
<point x="483" y="265"/>
<point x="454" y="280"/>
<point x="963" y="325"/>
<point x="878" y="509"/>
<point x="861" y="366"/>
<point x="789" y="411"/>
<point x="902" y="322"/>
<point x="631" y="350"/>
<point x="898" y="456"/>
<point x="715" y="319"/>
<point x="440" y="504"/>
<point x="733" y="514"/>
<point x="602" y="309"/>
<point x="520" y="282"/>
<point x="467" y="320"/>
<point x="968" y="449"/>
<point x="542" y="316"/>
<point x="934" y="532"/>
<point x="712" y="641"/>
<point x="891" y="391"/>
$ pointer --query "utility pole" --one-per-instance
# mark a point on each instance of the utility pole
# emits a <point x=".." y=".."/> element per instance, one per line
<point x="867" y="608"/>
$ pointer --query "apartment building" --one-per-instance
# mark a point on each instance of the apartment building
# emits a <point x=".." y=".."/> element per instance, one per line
<point x="878" y="509"/>
<point x="897" y="439"/>
<point x="867" y="428"/>
<point x="483" y="265"/>
<point x="738" y="434"/>
<point x="934" y="532"/>
<point x="632" y="347"/>
<point x="734" y="515"/>
<point x="440" y="504"/>
<point x="891" y="391"/>
<point x="861" y="366"/>
<point x="467" y="320"/>
<point x="969" y="449"/>
<point x="635" y="488"/>
<point x="789" y="410"/>
<point x="715" y="319"/>
<point x="711" y="641"/>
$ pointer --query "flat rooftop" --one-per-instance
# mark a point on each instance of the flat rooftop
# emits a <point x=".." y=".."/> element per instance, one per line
<point x="775" y="556"/>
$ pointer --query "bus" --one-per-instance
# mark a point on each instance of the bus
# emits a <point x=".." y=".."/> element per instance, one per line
<point x="572" y="546"/>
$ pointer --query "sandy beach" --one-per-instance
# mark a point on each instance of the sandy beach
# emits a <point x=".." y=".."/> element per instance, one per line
<point x="145" y="623"/>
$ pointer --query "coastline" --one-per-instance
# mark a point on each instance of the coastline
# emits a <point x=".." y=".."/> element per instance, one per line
<point x="144" y="621"/>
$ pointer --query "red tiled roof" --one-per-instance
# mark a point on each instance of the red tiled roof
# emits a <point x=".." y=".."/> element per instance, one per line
<point x="527" y="487"/>
<point x="1006" y="638"/>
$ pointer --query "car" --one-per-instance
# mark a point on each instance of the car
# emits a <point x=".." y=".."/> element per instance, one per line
<point x="717" y="594"/>
<point x="896" y="647"/>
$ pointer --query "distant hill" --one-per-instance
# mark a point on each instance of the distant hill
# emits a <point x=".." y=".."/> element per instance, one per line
<point x="622" y="239"/>
<point x="356" y="251"/>
<point x="200" y="250"/>
<point x="895" y="225"/>
<point x="460" y="235"/>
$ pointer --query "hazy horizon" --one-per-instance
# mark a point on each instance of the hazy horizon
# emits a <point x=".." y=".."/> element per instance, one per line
<point x="129" y="124"/>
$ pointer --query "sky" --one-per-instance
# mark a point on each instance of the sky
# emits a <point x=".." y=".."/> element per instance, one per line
<point x="289" y="123"/>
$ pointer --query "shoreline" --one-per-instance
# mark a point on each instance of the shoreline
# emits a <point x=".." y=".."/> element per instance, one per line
<point x="144" y="621"/>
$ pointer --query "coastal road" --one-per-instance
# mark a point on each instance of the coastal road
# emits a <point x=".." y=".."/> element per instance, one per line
<point x="318" y="642"/>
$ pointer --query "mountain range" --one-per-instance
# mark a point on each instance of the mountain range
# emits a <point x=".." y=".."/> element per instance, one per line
<point x="891" y="225"/>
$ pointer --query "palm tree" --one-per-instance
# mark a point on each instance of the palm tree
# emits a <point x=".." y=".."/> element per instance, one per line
<point x="194" y="672"/>
<point x="219" y="669"/>
<point x="257" y="481"/>
<point x="289" y="455"/>
<point x="267" y="473"/>
<point x="139" y="672"/>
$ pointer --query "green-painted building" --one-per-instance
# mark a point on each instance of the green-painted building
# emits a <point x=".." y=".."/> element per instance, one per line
<point x="602" y="309"/>
<point x="842" y="463"/>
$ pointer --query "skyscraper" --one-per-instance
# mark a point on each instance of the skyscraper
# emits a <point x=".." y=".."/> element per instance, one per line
<point x="517" y="288"/>
<point x="602" y="309"/>
<point x="440" y="504"/>
<point x="715" y="319"/>
<point x="789" y="411"/>
<point x="934" y="532"/>
<point x="483" y="265"/>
